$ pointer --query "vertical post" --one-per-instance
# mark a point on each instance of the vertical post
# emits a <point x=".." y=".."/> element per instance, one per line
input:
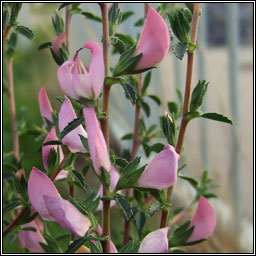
<point x="233" y="44"/>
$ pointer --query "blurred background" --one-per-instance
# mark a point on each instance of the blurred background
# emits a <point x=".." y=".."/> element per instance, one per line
<point x="224" y="58"/>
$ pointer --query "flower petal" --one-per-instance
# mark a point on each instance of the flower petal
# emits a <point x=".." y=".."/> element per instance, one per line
<point x="204" y="220"/>
<point x="155" y="242"/>
<point x="61" y="38"/>
<point x="113" y="181"/>
<point x="45" y="105"/>
<point x="72" y="139"/>
<point x="67" y="215"/>
<point x="20" y="173"/>
<point x="97" y="68"/>
<point x="154" y="41"/>
<point x="97" y="145"/>
<point x="161" y="172"/>
<point x="38" y="186"/>
<point x="65" y="79"/>
<point x="31" y="239"/>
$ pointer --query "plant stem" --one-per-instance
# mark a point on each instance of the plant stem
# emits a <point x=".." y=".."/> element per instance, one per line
<point x="6" y="30"/>
<point x="105" y="122"/>
<point x="15" y="136"/>
<point x="67" y="26"/>
<point x="184" y="121"/>
<point x="23" y="211"/>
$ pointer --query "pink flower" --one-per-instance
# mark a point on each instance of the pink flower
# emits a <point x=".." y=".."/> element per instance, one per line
<point x="114" y="179"/>
<point x="20" y="173"/>
<point x="31" y="239"/>
<point x="72" y="139"/>
<point x="97" y="145"/>
<point x="155" y="242"/>
<point x="45" y="105"/>
<point x="46" y="151"/>
<point x="154" y="41"/>
<point x="58" y="42"/>
<point x="47" y="201"/>
<point x="67" y="215"/>
<point x="204" y="221"/>
<point x="161" y="172"/>
<point x="82" y="82"/>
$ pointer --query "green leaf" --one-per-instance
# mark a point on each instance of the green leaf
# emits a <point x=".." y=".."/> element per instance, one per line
<point x="198" y="95"/>
<point x="180" y="49"/>
<point x="154" y="208"/>
<point x="91" y="16"/>
<point x="145" y="106"/>
<point x="63" y="53"/>
<point x="25" y="31"/>
<point x="53" y="160"/>
<point x="114" y="16"/>
<point x="76" y="245"/>
<point x="79" y="177"/>
<point x="84" y="141"/>
<point x="51" y="246"/>
<point x="105" y="177"/>
<point x="192" y="181"/>
<point x="179" y="24"/>
<point x="58" y="24"/>
<point x="194" y="242"/>
<point x="191" y="115"/>
<point x="52" y="142"/>
<point x="27" y="217"/>
<point x="126" y="15"/>
<point x="12" y="42"/>
<point x="16" y="7"/>
<point x="130" y="92"/>
<point x="122" y="162"/>
<point x="155" y="99"/>
<point x="173" y="108"/>
<point x="21" y="187"/>
<point x="127" y="63"/>
<point x="71" y="126"/>
<point x="11" y="206"/>
<point x="5" y="18"/>
<point x="111" y="80"/>
<point x="146" y="83"/>
<point x="130" y="175"/>
<point x="94" y="248"/>
<point x="123" y="203"/>
<point x="127" y="40"/>
<point x="169" y="129"/>
<point x="139" y="222"/>
<point x="217" y="117"/>
<point x="127" y="136"/>
<point x="139" y="22"/>
<point x="44" y="45"/>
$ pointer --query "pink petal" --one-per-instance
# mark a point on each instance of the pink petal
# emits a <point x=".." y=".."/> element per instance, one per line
<point x="204" y="220"/>
<point x="72" y="139"/>
<point x="62" y="175"/>
<point x="114" y="179"/>
<point x="45" y="105"/>
<point x="161" y="172"/>
<point x="58" y="42"/>
<point x="155" y="242"/>
<point x="65" y="79"/>
<point x="97" y="68"/>
<point x="31" y="239"/>
<point x="67" y="215"/>
<point x="38" y="186"/>
<point x="82" y="83"/>
<point x="97" y="145"/>
<point x="154" y="41"/>
<point x="112" y="248"/>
